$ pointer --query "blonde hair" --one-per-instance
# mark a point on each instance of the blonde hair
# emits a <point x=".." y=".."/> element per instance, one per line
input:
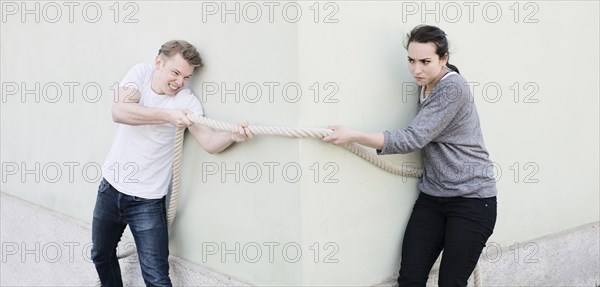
<point x="187" y="51"/>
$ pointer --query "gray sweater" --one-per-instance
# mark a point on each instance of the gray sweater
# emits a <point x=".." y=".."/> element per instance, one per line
<point x="446" y="128"/>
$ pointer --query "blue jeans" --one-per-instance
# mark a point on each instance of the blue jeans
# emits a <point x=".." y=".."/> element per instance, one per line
<point x="148" y="223"/>
<point x="459" y="226"/>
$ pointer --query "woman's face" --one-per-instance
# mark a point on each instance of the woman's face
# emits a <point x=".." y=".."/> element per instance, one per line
<point x="424" y="64"/>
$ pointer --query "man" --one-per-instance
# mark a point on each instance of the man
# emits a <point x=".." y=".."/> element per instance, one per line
<point x="152" y="102"/>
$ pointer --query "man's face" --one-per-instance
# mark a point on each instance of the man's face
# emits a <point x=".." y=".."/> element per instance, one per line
<point x="172" y="74"/>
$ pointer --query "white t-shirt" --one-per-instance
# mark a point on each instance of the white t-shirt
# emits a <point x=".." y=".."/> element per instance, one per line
<point x="140" y="160"/>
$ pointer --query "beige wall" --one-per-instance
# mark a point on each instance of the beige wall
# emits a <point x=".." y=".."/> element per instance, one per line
<point x="343" y="214"/>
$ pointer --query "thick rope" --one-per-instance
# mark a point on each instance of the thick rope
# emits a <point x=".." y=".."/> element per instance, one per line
<point x="175" y="186"/>
<point x="320" y="133"/>
<point x="176" y="180"/>
<point x="175" y="190"/>
<point x="359" y="150"/>
<point x="279" y="131"/>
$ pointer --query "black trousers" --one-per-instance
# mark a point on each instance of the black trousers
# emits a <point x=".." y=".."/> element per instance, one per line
<point x="457" y="225"/>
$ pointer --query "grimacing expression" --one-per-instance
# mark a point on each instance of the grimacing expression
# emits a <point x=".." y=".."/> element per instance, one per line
<point x="172" y="74"/>
<point x="424" y="64"/>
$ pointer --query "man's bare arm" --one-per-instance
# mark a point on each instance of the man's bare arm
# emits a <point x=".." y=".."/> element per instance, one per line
<point x="216" y="141"/>
<point x="127" y="110"/>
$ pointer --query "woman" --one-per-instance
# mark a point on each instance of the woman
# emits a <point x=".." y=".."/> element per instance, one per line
<point x="456" y="208"/>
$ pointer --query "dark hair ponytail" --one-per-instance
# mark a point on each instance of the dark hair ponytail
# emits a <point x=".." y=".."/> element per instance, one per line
<point x="435" y="35"/>
<point x="452" y="67"/>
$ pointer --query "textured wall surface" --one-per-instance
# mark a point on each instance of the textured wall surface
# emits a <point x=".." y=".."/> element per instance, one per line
<point x="278" y="211"/>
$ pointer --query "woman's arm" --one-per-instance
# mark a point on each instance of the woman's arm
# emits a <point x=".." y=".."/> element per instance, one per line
<point x="343" y="135"/>
<point x="429" y="123"/>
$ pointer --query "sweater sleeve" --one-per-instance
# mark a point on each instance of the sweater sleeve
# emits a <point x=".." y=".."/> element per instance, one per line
<point x="434" y="116"/>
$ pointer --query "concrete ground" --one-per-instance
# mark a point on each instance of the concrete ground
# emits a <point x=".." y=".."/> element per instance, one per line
<point x="569" y="258"/>
<point x="41" y="247"/>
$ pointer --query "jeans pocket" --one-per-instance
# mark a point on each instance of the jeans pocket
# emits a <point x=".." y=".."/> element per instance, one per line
<point x="104" y="185"/>
<point x="148" y="214"/>
<point x="141" y="199"/>
<point x="491" y="209"/>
